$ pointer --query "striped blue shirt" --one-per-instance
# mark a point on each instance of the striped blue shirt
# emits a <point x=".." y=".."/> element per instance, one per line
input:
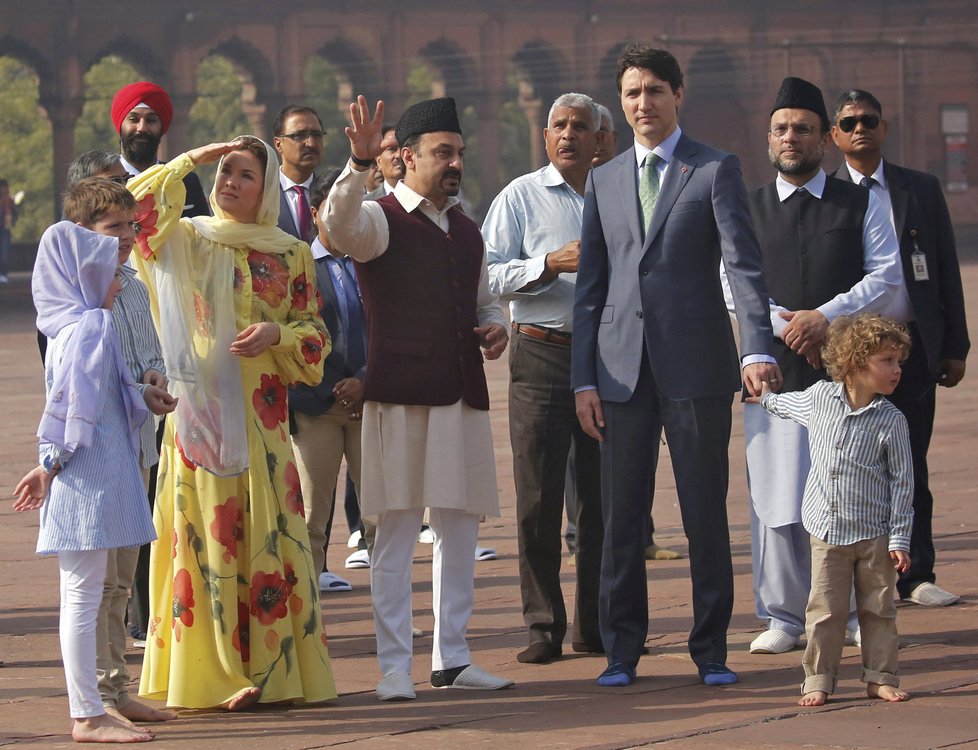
<point x="861" y="482"/>
<point x="140" y="348"/>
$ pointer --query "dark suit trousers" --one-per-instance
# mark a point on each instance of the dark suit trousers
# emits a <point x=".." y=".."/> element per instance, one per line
<point x="915" y="396"/>
<point x="542" y="424"/>
<point x="698" y="432"/>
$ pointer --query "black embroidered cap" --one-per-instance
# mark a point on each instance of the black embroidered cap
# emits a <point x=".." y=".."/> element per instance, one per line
<point x="429" y="116"/>
<point x="797" y="93"/>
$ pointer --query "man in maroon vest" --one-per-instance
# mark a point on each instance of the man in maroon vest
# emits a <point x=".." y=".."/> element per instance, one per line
<point x="426" y="440"/>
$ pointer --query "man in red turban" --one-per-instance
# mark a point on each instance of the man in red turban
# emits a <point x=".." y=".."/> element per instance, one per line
<point x="142" y="113"/>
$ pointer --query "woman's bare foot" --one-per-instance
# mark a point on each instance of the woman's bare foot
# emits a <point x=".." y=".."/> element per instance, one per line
<point x="136" y="711"/>
<point x="106" y="728"/>
<point x="246" y="698"/>
<point x="814" y="698"/>
<point x="887" y="693"/>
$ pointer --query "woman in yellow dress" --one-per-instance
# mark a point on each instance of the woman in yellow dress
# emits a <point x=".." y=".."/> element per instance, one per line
<point x="235" y="614"/>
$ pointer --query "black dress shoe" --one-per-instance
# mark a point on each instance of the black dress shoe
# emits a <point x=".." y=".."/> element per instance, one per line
<point x="587" y="648"/>
<point x="539" y="653"/>
<point x="597" y="648"/>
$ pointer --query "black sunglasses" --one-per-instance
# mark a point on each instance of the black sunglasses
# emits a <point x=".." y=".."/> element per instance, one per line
<point x="848" y="124"/>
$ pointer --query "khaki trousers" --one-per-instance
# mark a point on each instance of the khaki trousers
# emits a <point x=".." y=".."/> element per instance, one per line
<point x="110" y="627"/>
<point x="834" y="570"/>
<point x="320" y="444"/>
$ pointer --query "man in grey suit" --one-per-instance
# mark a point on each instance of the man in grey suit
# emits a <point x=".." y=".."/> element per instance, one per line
<point x="324" y="420"/>
<point x="653" y="348"/>
<point x="298" y="140"/>
<point x="930" y="302"/>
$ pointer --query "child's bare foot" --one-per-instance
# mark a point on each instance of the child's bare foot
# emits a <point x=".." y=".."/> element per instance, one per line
<point x="116" y="714"/>
<point x="106" y="728"/>
<point x="136" y="711"/>
<point x="887" y="693"/>
<point x="814" y="698"/>
<point x="246" y="698"/>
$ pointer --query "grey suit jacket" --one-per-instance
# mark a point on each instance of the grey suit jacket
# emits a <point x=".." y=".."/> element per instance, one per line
<point x="921" y="220"/>
<point x="664" y="292"/>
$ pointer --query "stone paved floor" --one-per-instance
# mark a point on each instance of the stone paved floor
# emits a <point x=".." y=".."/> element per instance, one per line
<point x="554" y="706"/>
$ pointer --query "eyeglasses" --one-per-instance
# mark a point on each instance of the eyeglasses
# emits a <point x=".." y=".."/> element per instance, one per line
<point x="118" y="179"/>
<point x="802" y="130"/>
<point x="304" y="135"/>
<point x="848" y="124"/>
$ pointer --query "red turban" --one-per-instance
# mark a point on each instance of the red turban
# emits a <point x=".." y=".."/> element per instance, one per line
<point x="143" y="92"/>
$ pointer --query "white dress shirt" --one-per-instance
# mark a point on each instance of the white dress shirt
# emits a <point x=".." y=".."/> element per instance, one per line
<point x="899" y="307"/>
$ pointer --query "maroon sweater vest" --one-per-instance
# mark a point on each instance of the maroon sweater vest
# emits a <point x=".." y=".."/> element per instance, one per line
<point x="419" y="298"/>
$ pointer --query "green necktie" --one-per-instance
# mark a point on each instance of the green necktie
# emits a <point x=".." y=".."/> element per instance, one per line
<point x="648" y="188"/>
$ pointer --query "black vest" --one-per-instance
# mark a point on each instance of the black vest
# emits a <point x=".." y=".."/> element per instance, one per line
<point x="420" y="303"/>
<point x="813" y="250"/>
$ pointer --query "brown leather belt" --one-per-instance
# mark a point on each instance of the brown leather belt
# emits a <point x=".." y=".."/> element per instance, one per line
<point x="544" y="334"/>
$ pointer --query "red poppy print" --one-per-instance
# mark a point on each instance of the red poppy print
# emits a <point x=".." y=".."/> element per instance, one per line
<point x="183" y="457"/>
<point x="183" y="602"/>
<point x="240" y="637"/>
<point x="300" y="292"/>
<point x="155" y="637"/>
<point x="228" y="527"/>
<point x="293" y="495"/>
<point x="270" y="401"/>
<point x="269" y="597"/>
<point x="269" y="277"/>
<point x="295" y="602"/>
<point x="202" y="314"/>
<point x="312" y="348"/>
<point x="145" y="221"/>
<point x="291" y="579"/>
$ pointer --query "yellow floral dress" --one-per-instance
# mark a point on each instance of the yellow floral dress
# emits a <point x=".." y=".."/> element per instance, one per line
<point x="234" y="600"/>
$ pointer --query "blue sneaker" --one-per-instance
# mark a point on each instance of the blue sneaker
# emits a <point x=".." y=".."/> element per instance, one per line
<point x="617" y="675"/>
<point x="714" y="674"/>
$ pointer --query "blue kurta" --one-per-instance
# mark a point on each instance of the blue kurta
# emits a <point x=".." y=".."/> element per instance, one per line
<point x="97" y="501"/>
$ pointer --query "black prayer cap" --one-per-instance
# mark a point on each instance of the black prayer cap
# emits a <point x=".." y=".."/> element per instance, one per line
<point x="429" y="116"/>
<point x="797" y="93"/>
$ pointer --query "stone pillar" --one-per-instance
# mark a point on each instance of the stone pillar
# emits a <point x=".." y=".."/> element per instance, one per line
<point x="532" y="107"/>
<point x="62" y="99"/>
<point x="494" y="78"/>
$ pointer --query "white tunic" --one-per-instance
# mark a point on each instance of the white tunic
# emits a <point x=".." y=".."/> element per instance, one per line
<point x="415" y="456"/>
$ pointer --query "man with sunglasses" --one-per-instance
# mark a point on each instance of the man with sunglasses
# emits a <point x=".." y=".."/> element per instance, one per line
<point x="829" y="250"/>
<point x="299" y="141"/>
<point x="930" y="301"/>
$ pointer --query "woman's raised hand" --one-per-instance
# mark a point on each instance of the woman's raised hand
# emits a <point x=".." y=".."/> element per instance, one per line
<point x="365" y="134"/>
<point x="211" y="152"/>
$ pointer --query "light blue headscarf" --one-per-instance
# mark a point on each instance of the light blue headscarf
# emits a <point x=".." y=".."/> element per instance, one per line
<point x="72" y="275"/>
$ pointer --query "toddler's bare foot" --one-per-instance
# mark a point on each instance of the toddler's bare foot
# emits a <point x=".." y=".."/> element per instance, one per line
<point x="886" y="693"/>
<point x="136" y="711"/>
<point x="814" y="698"/>
<point x="107" y="728"/>
<point x="246" y="698"/>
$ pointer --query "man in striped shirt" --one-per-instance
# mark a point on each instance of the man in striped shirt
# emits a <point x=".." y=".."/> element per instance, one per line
<point x="858" y="502"/>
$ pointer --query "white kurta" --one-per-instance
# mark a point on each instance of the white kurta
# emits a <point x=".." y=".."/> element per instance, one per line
<point x="415" y="456"/>
<point x="777" y="466"/>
